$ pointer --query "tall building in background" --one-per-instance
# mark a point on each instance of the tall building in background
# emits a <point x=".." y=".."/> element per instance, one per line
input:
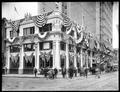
<point x="106" y="13"/>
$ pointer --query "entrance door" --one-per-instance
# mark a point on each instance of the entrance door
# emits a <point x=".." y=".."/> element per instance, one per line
<point x="29" y="66"/>
<point x="44" y="63"/>
<point x="14" y="65"/>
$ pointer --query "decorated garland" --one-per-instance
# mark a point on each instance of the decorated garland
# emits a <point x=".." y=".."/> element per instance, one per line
<point x="45" y="55"/>
<point x="63" y="56"/>
<point x="48" y="56"/>
<point x="71" y="57"/>
<point x="29" y="58"/>
<point x="11" y="40"/>
<point x="42" y="56"/>
<point x="69" y="31"/>
<point x="14" y="58"/>
<point x="80" y="38"/>
<point x="44" y="35"/>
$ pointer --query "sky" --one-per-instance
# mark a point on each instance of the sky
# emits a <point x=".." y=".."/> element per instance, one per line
<point x="15" y="11"/>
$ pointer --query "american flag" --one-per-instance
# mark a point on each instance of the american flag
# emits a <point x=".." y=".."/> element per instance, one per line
<point x="66" y="22"/>
<point x="40" y="20"/>
<point x="15" y="25"/>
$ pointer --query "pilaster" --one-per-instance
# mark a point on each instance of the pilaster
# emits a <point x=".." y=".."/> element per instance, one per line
<point x="81" y="57"/>
<point x="54" y="52"/>
<point x="57" y="55"/>
<point x="8" y="58"/>
<point x="91" y="59"/>
<point x="75" y="60"/>
<point x="67" y="55"/>
<point x="21" y="60"/>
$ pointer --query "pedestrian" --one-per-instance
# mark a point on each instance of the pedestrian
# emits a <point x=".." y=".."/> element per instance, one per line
<point x="86" y="71"/>
<point x="75" y="71"/>
<point x="56" y="72"/>
<point x="35" y="71"/>
<point x="70" y="72"/>
<point x="97" y="72"/>
<point x="45" y="72"/>
<point x="5" y="70"/>
<point x="64" y="72"/>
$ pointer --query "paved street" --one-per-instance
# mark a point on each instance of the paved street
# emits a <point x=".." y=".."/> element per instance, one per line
<point x="107" y="81"/>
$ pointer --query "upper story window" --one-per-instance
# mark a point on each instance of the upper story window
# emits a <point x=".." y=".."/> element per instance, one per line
<point x="62" y="46"/>
<point x="14" y="48"/>
<point x="46" y="28"/>
<point x="71" y="48"/>
<point x="46" y="45"/>
<point x="78" y="49"/>
<point x="29" y="47"/>
<point x="63" y="28"/>
<point x="28" y="31"/>
<point x="14" y="33"/>
<point x="72" y="33"/>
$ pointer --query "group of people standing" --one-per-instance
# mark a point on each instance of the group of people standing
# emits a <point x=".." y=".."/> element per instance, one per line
<point x="47" y="72"/>
<point x="70" y="72"/>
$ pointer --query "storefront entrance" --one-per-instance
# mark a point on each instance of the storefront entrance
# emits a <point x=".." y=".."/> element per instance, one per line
<point x="14" y="65"/>
<point x="44" y="62"/>
<point x="29" y="65"/>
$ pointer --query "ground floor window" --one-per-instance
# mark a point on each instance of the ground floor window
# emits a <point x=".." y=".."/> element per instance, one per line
<point x="44" y="62"/>
<point x="62" y="61"/>
<point x="71" y="60"/>
<point x="78" y="61"/>
<point x="14" y="64"/>
<point x="29" y="62"/>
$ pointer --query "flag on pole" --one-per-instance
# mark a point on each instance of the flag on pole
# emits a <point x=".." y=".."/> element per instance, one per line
<point x="15" y="10"/>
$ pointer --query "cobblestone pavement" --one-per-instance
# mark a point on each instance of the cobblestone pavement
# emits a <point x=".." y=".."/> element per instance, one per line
<point x="108" y="81"/>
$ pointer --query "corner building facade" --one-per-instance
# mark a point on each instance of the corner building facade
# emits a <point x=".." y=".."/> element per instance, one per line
<point x="52" y="40"/>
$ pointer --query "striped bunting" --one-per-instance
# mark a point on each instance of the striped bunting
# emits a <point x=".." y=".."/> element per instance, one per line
<point x="66" y="22"/>
<point x="15" y="25"/>
<point x="40" y="20"/>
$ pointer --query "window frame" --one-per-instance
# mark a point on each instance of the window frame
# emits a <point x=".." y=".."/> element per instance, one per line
<point x="45" y="28"/>
<point x="28" y="30"/>
<point x="17" y="49"/>
<point x="32" y="47"/>
<point x="50" y="45"/>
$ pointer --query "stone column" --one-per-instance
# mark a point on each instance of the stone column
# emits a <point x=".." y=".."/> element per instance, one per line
<point x="21" y="60"/>
<point x="67" y="55"/>
<point x="38" y="61"/>
<point x="86" y="58"/>
<point x="54" y="52"/>
<point x="8" y="59"/>
<point x="57" y="55"/>
<point x="91" y="59"/>
<point x="75" y="60"/>
<point x="81" y="57"/>
<point x="37" y="55"/>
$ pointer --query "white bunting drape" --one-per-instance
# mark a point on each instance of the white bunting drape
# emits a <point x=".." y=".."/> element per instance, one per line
<point x="43" y="36"/>
<point x="29" y="58"/>
<point x="11" y="40"/>
<point x="14" y="58"/>
<point x="80" y="38"/>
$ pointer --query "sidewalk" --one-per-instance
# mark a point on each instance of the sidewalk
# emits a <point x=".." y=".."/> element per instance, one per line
<point x="25" y="75"/>
<point x="33" y="76"/>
